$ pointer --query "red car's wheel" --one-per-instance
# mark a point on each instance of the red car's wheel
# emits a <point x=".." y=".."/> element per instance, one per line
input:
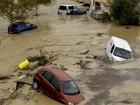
<point x="35" y="85"/>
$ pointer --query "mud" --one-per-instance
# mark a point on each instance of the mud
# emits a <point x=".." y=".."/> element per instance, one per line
<point x="77" y="45"/>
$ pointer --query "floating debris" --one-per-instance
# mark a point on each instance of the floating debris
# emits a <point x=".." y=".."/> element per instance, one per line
<point x="100" y="34"/>
<point x="84" y="52"/>
<point x="24" y="65"/>
<point x="126" y="102"/>
<point x="4" y="77"/>
<point x="63" y="67"/>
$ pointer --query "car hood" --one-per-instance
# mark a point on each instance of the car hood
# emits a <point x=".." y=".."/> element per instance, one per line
<point x="74" y="98"/>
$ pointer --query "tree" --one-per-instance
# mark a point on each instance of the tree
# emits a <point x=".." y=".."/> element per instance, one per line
<point x="126" y="12"/>
<point x="20" y="9"/>
<point x="15" y="9"/>
<point x="40" y="2"/>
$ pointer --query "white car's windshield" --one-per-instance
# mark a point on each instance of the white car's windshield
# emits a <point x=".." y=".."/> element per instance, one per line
<point x="122" y="53"/>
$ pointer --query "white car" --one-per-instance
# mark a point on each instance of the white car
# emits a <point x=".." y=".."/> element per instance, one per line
<point x="66" y="9"/>
<point x="97" y="13"/>
<point x="118" y="49"/>
<point x="71" y="9"/>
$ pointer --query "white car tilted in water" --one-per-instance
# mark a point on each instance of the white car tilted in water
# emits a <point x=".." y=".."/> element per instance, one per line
<point x="118" y="49"/>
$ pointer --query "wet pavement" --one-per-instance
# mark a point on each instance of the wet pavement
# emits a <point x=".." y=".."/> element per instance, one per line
<point x="68" y="37"/>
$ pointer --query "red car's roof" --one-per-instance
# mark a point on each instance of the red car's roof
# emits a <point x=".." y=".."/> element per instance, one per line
<point x="58" y="73"/>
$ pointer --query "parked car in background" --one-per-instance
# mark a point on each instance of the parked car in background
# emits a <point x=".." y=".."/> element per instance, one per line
<point x="57" y="85"/>
<point x="97" y="13"/>
<point x="118" y="49"/>
<point x="20" y="26"/>
<point x="71" y="9"/>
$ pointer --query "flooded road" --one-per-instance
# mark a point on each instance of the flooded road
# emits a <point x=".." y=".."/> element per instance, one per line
<point x="116" y="87"/>
<point x="68" y="37"/>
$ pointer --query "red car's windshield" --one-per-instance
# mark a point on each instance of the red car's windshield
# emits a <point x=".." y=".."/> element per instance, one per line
<point x="70" y="88"/>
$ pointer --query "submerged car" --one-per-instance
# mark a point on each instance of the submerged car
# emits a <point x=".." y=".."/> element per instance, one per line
<point x="118" y="49"/>
<point x="70" y="9"/>
<point x="18" y="27"/>
<point x="78" y="11"/>
<point x="58" y="85"/>
<point x="97" y="13"/>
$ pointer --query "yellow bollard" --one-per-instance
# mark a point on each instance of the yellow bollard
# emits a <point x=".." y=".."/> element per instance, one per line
<point x="24" y="64"/>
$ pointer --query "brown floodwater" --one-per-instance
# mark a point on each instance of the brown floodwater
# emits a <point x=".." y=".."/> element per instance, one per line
<point x="130" y="33"/>
<point x="58" y="33"/>
<point x="128" y="91"/>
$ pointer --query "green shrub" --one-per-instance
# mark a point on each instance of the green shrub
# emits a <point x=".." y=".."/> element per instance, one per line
<point x="126" y="12"/>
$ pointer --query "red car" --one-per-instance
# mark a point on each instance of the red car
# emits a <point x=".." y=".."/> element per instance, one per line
<point x="57" y="85"/>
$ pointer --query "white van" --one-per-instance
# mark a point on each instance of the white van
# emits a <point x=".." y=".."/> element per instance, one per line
<point x="118" y="49"/>
<point x="66" y="9"/>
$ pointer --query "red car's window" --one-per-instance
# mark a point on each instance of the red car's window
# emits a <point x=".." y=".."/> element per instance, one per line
<point x="56" y="84"/>
<point x="70" y="88"/>
<point x="47" y="76"/>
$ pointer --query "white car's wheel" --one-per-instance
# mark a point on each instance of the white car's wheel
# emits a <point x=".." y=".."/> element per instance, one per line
<point x="35" y="85"/>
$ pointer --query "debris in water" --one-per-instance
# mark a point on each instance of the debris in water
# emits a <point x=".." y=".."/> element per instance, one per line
<point x="23" y="79"/>
<point x="33" y="62"/>
<point x="127" y="27"/>
<point x="24" y="65"/>
<point x="100" y="34"/>
<point x="92" y="56"/>
<point x="78" y="43"/>
<point x="63" y="67"/>
<point x="83" y="64"/>
<point x="4" y="77"/>
<point x="126" y="102"/>
<point x="85" y="52"/>
<point x="95" y="57"/>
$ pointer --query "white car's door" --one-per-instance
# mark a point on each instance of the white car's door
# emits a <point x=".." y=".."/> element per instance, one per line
<point x="62" y="10"/>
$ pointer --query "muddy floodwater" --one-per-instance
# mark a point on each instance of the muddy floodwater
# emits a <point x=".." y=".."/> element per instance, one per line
<point x="130" y="33"/>
<point x="72" y="40"/>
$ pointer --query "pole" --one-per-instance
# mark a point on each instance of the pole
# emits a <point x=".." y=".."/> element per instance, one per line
<point x="91" y="6"/>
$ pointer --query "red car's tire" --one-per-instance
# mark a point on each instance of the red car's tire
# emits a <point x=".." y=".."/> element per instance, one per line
<point x="35" y="85"/>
